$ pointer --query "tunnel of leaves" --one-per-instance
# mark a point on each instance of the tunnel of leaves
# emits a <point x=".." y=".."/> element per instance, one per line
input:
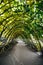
<point x="23" y="19"/>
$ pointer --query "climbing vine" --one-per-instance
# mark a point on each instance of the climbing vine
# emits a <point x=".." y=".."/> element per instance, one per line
<point x="22" y="18"/>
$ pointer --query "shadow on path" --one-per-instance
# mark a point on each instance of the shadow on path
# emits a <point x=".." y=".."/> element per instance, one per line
<point x="21" y="55"/>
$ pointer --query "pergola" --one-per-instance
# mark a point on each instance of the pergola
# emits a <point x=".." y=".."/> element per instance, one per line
<point x="22" y="18"/>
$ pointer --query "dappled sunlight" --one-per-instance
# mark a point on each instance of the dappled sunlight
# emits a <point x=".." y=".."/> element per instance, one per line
<point x="21" y="32"/>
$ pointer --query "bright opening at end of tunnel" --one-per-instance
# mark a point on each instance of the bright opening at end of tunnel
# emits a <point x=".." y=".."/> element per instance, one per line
<point x="20" y="42"/>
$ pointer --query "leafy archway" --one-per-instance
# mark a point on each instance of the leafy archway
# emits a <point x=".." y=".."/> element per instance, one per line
<point x="24" y="18"/>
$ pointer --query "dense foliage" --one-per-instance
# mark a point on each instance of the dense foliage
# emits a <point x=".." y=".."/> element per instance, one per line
<point x="22" y="18"/>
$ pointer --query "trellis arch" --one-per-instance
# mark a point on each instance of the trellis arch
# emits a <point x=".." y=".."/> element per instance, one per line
<point x="21" y="19"/>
